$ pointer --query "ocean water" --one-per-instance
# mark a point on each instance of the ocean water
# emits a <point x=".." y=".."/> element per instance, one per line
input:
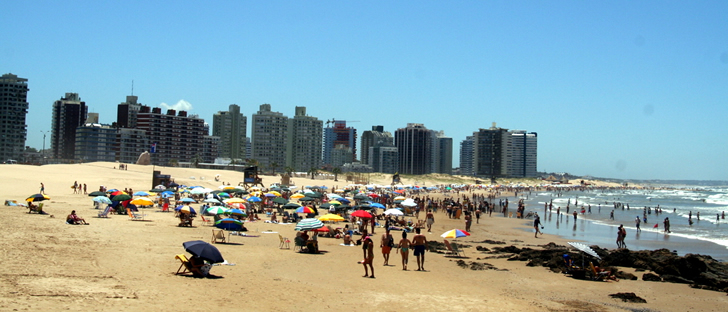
<point x="707" y="235"/>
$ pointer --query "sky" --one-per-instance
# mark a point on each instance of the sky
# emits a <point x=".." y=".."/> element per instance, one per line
<point x="618" y="89"/>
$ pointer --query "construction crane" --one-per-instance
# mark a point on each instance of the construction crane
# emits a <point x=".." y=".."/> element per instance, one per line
<point x="334" y="120"/>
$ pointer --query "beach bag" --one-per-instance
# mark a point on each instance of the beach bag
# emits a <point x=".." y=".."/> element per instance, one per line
<point x="390" y="243"/>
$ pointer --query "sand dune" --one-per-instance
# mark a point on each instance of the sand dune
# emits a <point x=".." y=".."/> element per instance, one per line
<point x="122" y="265"/>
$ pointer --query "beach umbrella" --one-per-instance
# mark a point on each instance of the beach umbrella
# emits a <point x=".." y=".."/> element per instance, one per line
<point x="223" y="194"/>
<point x="236" y="212"/>
<point x="142" y="201"/>
<point x="121" y="197"/>
<point x="333" y="195"/>
<point x="280" y="200"/>
<point x="168" y="193"/>
<point x="229" y="224"/>
<point x="187" y="200"/>
<point x="455" y="233"/>
<point x="156" y="190"/>
<point x="269" y="195"/>
<point x="216" y="210"/>
<point x="314" y="195"/>
<point x="234" y="200"/>
<point x="335" y="203"/>
<point x="339" y="191"/>
<point x="309" y="224"/>
<point x="304" y="209"/>
<point x="363" y="207"/>
<point x="141" y="193"/>
<point x="212" y="201"/>
<point x="97" y="193"/>
<point x="305" y="199"/>
<point x="327" y="206"/>
<point x="297" y="195"/>
<point x="291" y="206"/>
<point x="254" y="199"/>
<point x="393" y="212"/>
<point x="185" y="209"/>
<point x="378" y="205"/>
<point x="102" y="199"/>
<point x="111" y="190"/>
<point x="200" y="190"/>
<point x="586" y="249"/>
<point x="114" y="193"/>
<point x="343" y="200"/>
<point x="399" y="198"/>
<point x="331" y="217"/>
<point x="203" y="250"/>
<point x="361" y="197"/>
<point x="361" y="214"/>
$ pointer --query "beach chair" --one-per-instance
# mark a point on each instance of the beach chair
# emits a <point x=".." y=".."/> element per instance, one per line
<point x="133" y="216"/>
<point x="299" y="244"/>
<point x="205" y="221"/>
<point x="453" y="250"/>
<point x="184" y="266"/>
<point x="284" y="242"/>
<point x="598" y="275"/>
<point x="218" y="235"/>
<point x="105" y="213"/>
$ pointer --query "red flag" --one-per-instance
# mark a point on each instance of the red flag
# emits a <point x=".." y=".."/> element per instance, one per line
<point x="656" y="226"/>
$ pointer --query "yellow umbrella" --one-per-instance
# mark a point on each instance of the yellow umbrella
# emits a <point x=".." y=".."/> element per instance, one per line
<point x="331" y="217"/>
<point x="335" y="202"/>
<point x="400" y="198"/>
<point x="339" y="191"/>
<point x="234" y="200"/>
<point x="275" y="193"/>
<point x="142" y="201"/>
<point x="298" y="195"/>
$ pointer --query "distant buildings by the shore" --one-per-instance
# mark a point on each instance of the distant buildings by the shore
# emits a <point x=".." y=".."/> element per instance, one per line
<point x="276" y="143"/>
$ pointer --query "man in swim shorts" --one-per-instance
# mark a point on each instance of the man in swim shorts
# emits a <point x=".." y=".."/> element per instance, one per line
<point x="419" y="243"/>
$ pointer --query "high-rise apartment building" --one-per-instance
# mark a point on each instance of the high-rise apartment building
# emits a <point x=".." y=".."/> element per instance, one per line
<point x="376" y="137"/>
<point x="126" y="112"/>
<point x="269" y="133"/>
<point x="341" y="155"/>
<point x="231" y="127"/>
<point x="498" y="152"/>
<point x="174" y="135"/>
<point x="95" y="142"/>
<point x="441" y="159"/>
<point x="210" y="151"/>
<point x="522" y="153"/>
<point x="130" y="143"/>
<point x="414" y="144"/>
<point x="303" y="150"/>
<point x="337" y="135"/>
<point x="384" y="159"/>
<point x="13" y="109"/>
<point x="466" y="156"/>
<point x="68" y="114"/>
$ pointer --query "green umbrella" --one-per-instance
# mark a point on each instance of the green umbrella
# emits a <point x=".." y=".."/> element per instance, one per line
<point x="121" y="197"/>
<point x="314" y="195"/>
<point x="291" y="206"/>
<point x="97" y="193"/>
<point x="309" y="224"/>
<point x="280" y="200"/>
<point x="306" y="199"/>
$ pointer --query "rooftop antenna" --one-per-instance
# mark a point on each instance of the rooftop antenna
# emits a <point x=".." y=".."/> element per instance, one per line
<point x="132" y="87"/>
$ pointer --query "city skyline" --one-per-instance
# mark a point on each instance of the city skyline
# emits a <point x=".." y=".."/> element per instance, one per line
<point x="620" y="89"/>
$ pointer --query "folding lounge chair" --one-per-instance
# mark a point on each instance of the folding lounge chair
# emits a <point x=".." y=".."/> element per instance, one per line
<point x="284" y="242"/>
<point x="218" y="235"/>
<point x="598" y="276"/>
<point x="206" y="221"/>
<point x="105" y="213"/>
<point x="184" y="266"/>
<point x="452" y="249"/>
<point x="133" y="216"/>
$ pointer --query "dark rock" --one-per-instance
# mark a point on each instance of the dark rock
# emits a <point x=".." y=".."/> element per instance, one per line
<point x="481" y="248"/>
<point x="628" y="297"/>
<point x="488" y="241"/>
<point x="675" y="279"/>
<point x="651" y="277"/>
<point x="435" y="245"/>
<point x="625" y="276"/>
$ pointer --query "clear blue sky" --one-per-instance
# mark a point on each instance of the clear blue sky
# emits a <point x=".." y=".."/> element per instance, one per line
<point x="624" y="89"/>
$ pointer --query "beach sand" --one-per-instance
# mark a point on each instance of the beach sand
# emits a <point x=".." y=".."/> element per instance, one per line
<point x="122" y="265"/>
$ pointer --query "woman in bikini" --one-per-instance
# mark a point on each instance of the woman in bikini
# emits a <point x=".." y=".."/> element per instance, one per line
<point x="404" y="246"/>
<point x="368" y="247"/>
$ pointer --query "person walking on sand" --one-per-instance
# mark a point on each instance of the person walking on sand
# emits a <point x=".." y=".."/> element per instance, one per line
<point x="42" y="188"/>
<point x="419" y="243"/>
<point x="637" y="224"/>
<point x="368" y="248"/>
<point x="666" y="223"/>
<point x="430" y="220"/>
<point x="404" y="246"/>
<point x="386" y="244"/>
<point x="536" y="224"/>
<point x="468" y="221"/>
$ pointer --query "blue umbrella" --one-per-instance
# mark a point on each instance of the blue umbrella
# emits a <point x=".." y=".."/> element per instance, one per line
<point x="378" y="205"/>
<point x="102" y="199"/>
<point x="254" y="199"/>
<point x="343" y="200"/>
<point x="181" y="207"/>
<point x="141" y="193"/>
<point x="168" y="193"/>
<point x="203" y="250"/>
<point x="188" y="200"/>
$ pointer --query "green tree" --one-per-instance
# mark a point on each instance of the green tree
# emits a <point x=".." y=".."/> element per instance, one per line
<point x="197" y="160"/>
<point x="252" y="162"/>
<point x="173" y="163"/>
<point x="289" y="170"/>
<point x="336" y="172"/>
<point x="313" y="172"/>
<point x="274" y="166"/>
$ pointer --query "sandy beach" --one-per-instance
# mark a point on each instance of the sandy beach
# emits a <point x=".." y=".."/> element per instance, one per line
<point x="122" y="265"/>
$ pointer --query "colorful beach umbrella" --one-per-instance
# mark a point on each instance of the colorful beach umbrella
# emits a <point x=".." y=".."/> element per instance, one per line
<point x="455" y="233"/>
<point x="234" y="200"/>
<point x="309" y="224"/>
<point x="236" y="212"/>
<point x="185" y="209"/>
<point x="304" y="209"/>
<point x="142" y="201"/>
<point x="216" y="210"/>
<point x="229" y="224"/>
<point x="361" y="214"/>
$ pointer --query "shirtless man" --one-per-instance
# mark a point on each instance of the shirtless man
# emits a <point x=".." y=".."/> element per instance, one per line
<point x="368" y="248"/>
<point x="430" y="220"/>
<point x="404" y="246"/>
<point x="419" y="244"/>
